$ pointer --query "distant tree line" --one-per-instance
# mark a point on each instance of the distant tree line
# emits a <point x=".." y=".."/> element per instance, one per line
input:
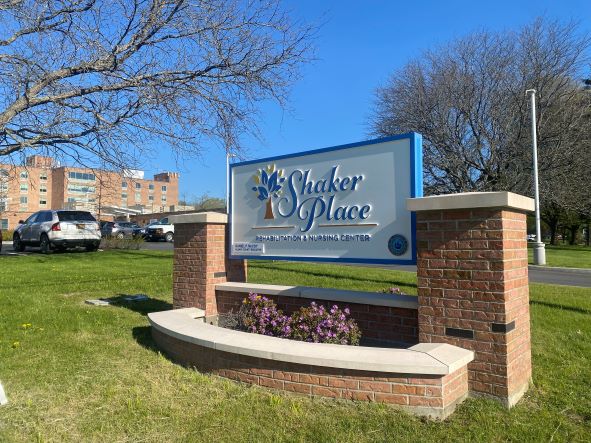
<point x="204" y="202"/>
<point x="467" y="98"/>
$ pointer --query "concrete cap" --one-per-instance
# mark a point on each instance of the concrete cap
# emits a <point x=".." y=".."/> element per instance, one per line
<point x="446" y="354"/>
<point x="336" y="295"/>
<point x="432" y="359"/>
<point x="199" y="217"/>
<point x="468" y="200"/>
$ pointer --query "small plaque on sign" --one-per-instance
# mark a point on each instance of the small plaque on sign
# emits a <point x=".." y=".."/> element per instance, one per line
<point x="248" y="248"/>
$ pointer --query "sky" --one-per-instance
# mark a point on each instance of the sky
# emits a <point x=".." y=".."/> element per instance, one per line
<point x="358" y="46"/>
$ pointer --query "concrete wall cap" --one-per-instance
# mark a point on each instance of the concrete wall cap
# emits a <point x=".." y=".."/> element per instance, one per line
<point x="469" y="200"/>
<point x="440" y="360"/>
<point x="337" y="295"/>
<point x="199" y="217"/>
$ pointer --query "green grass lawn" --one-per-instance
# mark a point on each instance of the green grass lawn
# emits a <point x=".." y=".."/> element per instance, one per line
<point x="75" y="372"/>
<point x="565" y="256"/>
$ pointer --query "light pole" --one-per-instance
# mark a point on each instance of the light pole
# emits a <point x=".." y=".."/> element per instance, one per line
<point x="539" y="246"/>
<point x="228" y="155"/>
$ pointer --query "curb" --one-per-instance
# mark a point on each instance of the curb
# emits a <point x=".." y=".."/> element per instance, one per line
<point x="556" y="268"/>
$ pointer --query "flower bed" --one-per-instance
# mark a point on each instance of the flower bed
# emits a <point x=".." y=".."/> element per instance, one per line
<point x="314" y="323"/>
<point x="387" y="320"/>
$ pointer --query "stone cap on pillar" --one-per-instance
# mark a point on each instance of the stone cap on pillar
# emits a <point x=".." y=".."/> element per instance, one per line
<point x="468" y="200"/>
<point x="199" y="217"/>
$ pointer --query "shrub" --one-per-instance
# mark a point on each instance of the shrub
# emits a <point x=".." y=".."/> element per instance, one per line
<point x="261" y="316"/>
<point x="319" y="325"/>
<point x="315" y="323"/>
<point x="7" y="235"/>
<point x="121" y="243"/>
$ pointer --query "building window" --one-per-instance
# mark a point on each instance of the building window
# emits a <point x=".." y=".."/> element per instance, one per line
<point x="81" y="189"/>
<point x="24" y="175"/>
<point x="43" y="189"/>
<point x="151" y="186"/>
<point x="43" y="176"/>
<point x="42" y="202"/>
<point x="4" y="180"/>
<point x="4" y="224"/>
<point x="80" y="200"/>
<point x="124" y="185"/>
<point x="151" y="198"/>
<point x="138" y="186"/>
<point x="81" y="176"/>
<point x="24" y="187"/>
<point x="3" y="205"/>
<point x="164" y="198"/>
<point x="138" y="197"/>
<point x="24" y="200"/>
<point x="124" y="196"/>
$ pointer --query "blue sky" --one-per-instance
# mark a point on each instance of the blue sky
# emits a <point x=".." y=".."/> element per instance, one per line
<point x="359" y="45"/>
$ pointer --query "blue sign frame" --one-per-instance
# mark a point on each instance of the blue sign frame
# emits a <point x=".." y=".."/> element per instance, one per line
<point x="416" y="190"/>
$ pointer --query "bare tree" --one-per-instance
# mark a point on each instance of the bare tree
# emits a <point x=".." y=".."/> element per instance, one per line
<point x="468" y="100"/>
<point x="101" y="80"/>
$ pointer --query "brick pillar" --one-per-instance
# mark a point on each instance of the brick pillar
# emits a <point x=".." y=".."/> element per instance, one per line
<point x="473" y="285"/>
<point x="200" y="260"/>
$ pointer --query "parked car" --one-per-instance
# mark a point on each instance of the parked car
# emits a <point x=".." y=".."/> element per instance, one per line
<point x="161" y="230"/>
<point x="57" y="229"/>
<point x="142" y="231"/>
<point x="119" y="229"/>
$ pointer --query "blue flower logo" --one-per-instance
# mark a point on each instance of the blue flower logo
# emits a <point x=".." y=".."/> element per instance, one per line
<point x="269" y="183"/>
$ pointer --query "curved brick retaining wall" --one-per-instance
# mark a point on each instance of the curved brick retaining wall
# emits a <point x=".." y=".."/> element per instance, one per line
<point x="430" y="394"/>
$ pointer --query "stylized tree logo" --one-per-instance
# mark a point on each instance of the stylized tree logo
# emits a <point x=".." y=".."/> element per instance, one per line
<point x="268" y="185"/>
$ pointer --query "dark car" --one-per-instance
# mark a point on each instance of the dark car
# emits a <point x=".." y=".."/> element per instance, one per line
<point x="119" y="229"/>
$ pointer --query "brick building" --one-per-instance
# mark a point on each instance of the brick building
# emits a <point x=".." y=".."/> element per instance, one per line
<point x="43" y="184"/>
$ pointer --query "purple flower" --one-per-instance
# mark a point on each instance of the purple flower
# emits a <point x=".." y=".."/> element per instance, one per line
<point x="314" y="323"/>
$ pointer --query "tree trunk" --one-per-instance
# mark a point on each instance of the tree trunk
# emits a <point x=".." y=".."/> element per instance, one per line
<point x="269" y="210"/>
<point x="573" y="234"/>
<point x="553" y="225"/>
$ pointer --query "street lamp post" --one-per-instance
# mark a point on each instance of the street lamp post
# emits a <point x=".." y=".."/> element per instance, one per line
<point x="228" y="155"/>
<point x="539" y="246"/>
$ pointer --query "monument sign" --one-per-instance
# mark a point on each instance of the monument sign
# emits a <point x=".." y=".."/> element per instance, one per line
<point x="340" y="204"/>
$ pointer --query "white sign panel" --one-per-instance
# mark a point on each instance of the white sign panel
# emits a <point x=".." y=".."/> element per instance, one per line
<point x="345" y="203"/>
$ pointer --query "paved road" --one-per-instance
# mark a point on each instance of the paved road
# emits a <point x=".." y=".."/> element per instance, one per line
<point x="537" y="274"/>
<point x="556" y="276"/>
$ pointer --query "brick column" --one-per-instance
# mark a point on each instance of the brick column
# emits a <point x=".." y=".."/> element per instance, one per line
<point x="473" y="285"/>
<point x="200" y="260"/>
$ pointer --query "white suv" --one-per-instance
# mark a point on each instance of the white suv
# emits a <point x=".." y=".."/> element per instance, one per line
<point x="161" y="230"/>
<point x="59" y="229"/>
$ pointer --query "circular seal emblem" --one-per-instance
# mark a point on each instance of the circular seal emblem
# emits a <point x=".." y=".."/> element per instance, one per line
<point x="397" y="244"/>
